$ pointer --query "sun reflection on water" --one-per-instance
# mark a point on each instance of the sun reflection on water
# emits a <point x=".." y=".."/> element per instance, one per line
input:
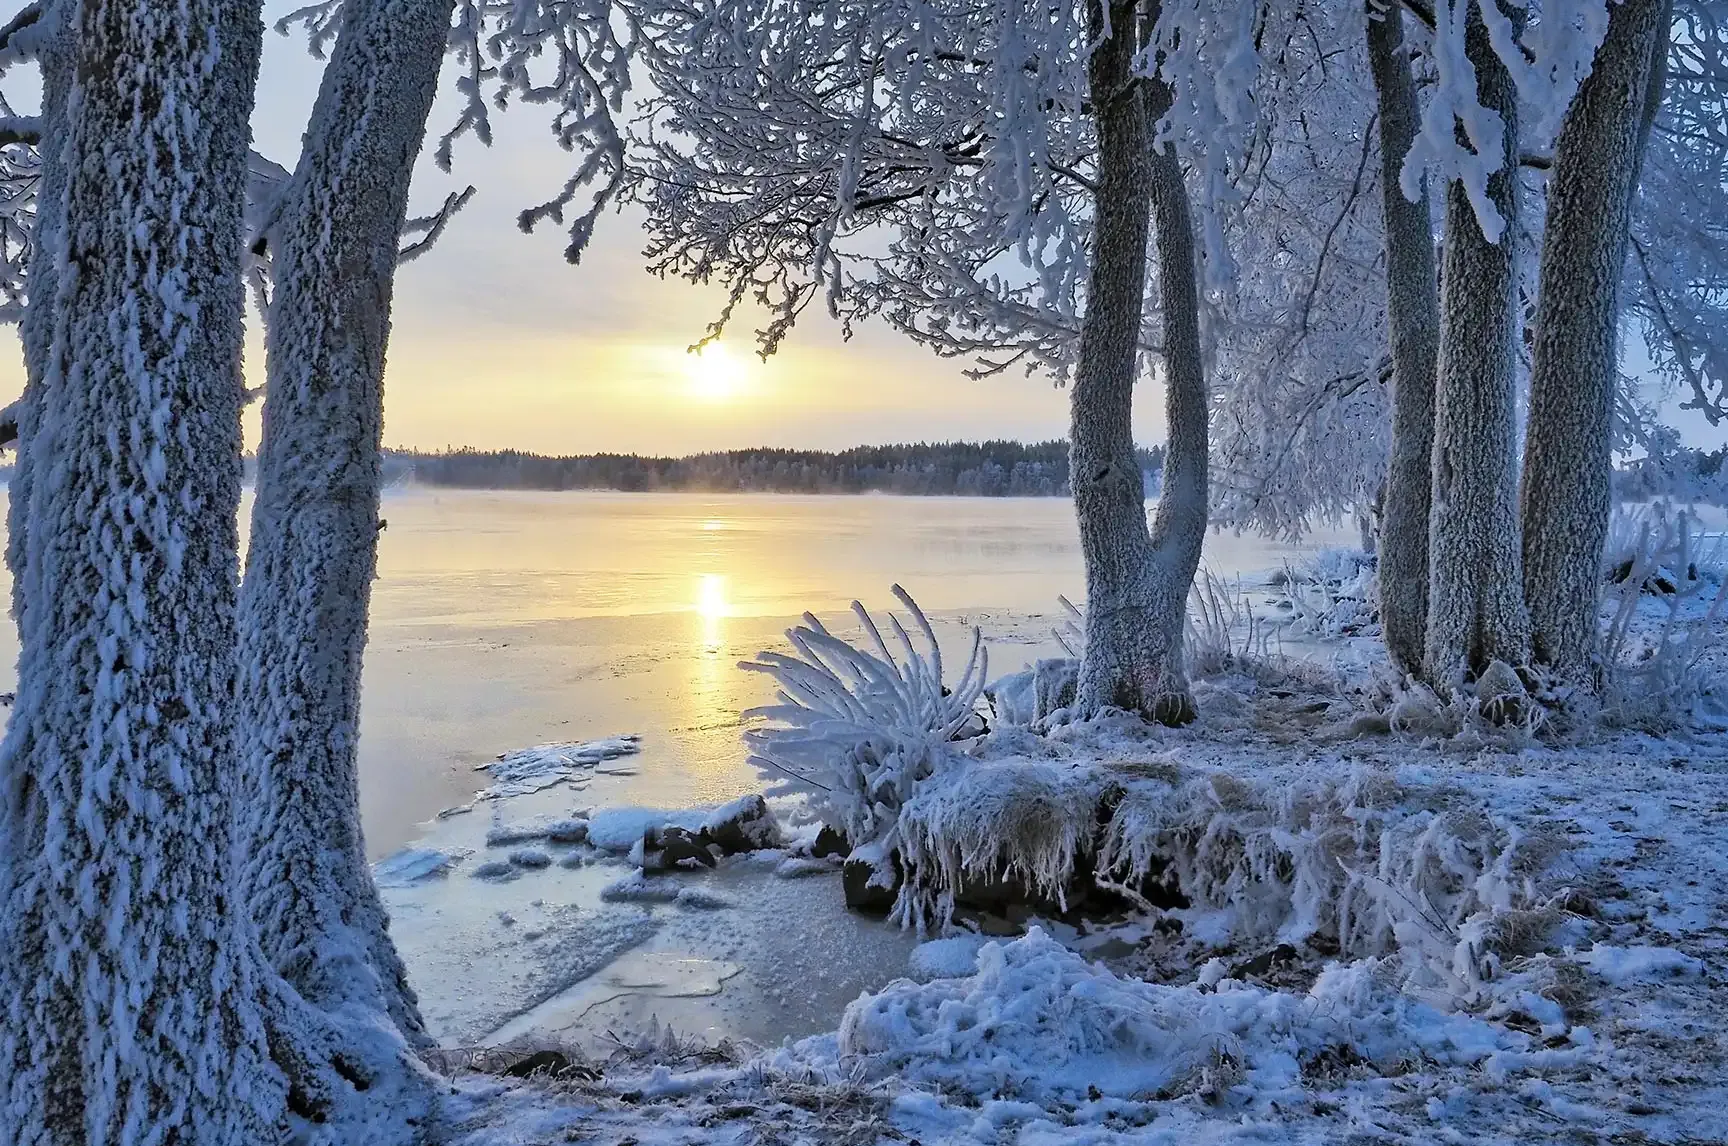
<point x="712" y="608"/>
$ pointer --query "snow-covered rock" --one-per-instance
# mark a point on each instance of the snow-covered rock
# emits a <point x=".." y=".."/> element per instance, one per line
<point x="530" y="858"/>
<point x="744" y="825"/>
<point x="618" y="830"/>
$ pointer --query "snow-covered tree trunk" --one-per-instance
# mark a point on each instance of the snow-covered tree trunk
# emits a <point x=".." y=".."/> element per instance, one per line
<point x="131" y="1010"/>
<point x="1179" y="525"/>
<point x="1134" y="616"/>
<point x="1476" y="611"/>
<point x="1413" y="315"/>
<point x="1568" y="456"/>
<point x="313" y="548"/>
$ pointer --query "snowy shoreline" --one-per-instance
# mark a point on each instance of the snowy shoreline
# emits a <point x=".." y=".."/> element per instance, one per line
<point x="1624" y="990"/>
<point x="1584" y="942"/>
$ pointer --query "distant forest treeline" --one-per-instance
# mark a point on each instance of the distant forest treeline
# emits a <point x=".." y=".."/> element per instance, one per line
<point x="987" y="469"/>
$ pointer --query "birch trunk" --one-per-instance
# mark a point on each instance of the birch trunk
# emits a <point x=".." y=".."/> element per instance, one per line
<point x="131" y="1010"/>
<point x="1134" y="614"/>
<point x="1476" y="611"/>
<point x="1413" y="315"/>
<point x="1568" y="456"/>
<point x="313" y="550"/>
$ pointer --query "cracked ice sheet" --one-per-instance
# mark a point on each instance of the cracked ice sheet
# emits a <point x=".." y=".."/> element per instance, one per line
<point x="541" y="955"/>
<point x="529" y="770"/>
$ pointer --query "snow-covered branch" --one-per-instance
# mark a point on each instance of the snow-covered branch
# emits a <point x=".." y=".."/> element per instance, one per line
<point x="430" y="227"/>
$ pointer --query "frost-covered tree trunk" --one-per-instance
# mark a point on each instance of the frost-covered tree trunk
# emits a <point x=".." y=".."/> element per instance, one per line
<point x="1476" y="611"/>
<point x="1134" y="613"/>
<point x="131" y="1010"/>
<point x="1413" y="314"/>
<point x="1179" y="525"/>
<point x="1568" y="455"/>
<point x="313" y="549"/>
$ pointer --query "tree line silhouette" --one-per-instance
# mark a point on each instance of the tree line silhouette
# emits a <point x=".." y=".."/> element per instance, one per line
<point x="982" y="469"/>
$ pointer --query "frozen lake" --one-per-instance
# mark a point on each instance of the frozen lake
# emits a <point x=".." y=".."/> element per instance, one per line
<point x="507" y="619"/>
<point x="503" y="619"/>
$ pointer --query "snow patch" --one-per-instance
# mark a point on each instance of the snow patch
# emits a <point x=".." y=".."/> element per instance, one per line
<point x="1621" y="965"/>
<point x="948" y="958"/>
<point x="1037" y="1023"/>
<point x="413" y="864"/>
<point x="545" y="765"/>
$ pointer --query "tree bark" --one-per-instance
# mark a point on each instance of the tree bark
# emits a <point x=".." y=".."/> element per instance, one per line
<point x="132" y="1013"/>
<point x="1179" y="525"/>
<point x="1568" y="454"/>
<point x="1134" y="611"/>
<point x="1413" y="315"/>
<point x="1476" y="612"/>
<point x="313" y="550"/>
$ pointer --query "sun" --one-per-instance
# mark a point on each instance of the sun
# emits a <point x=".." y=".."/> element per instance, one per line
<point x="713" y="373"/>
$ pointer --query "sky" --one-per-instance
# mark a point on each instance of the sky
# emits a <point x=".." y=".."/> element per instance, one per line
<point x="498" y="342"/>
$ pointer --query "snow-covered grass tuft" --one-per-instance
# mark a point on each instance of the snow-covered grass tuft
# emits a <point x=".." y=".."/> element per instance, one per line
<point x="1348" y="860"/>
<point x="1334" y="593"/>
<point x="1224" y="633"/>
<point x="1657" y="676"/>
<point x="1023" y="819"/>
<point x="1356" y="859"/>
<point x="855" y="729"/>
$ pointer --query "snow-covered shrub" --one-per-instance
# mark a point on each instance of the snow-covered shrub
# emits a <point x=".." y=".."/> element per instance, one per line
<point x="1665" y="595"/>
<point x="855" y="730"/>
<point x="1660" y="533"/>
<point x="1357" y="859"/>
<point x="1487" y="711"/>
<point x="1351" y="858"/>
<point x="1037" y="1023"/>
<point x="1019" y="818"/>
<point x="1223" y="630"/>
<point x="1334" y="593"/>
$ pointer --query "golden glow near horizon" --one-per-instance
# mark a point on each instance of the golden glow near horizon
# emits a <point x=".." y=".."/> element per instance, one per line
<point x="713" y="373"/>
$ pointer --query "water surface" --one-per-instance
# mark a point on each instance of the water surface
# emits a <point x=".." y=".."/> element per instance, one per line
<point x="502" y="619"/>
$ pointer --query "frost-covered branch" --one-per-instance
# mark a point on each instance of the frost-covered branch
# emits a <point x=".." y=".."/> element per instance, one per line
<point x="430" y="227"/>
<point x="573" y="56"/>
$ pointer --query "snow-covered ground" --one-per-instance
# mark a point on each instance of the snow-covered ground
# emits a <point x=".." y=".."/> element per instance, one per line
<point x="1590" y="1012"/>
<point x="1389" y="929"/>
